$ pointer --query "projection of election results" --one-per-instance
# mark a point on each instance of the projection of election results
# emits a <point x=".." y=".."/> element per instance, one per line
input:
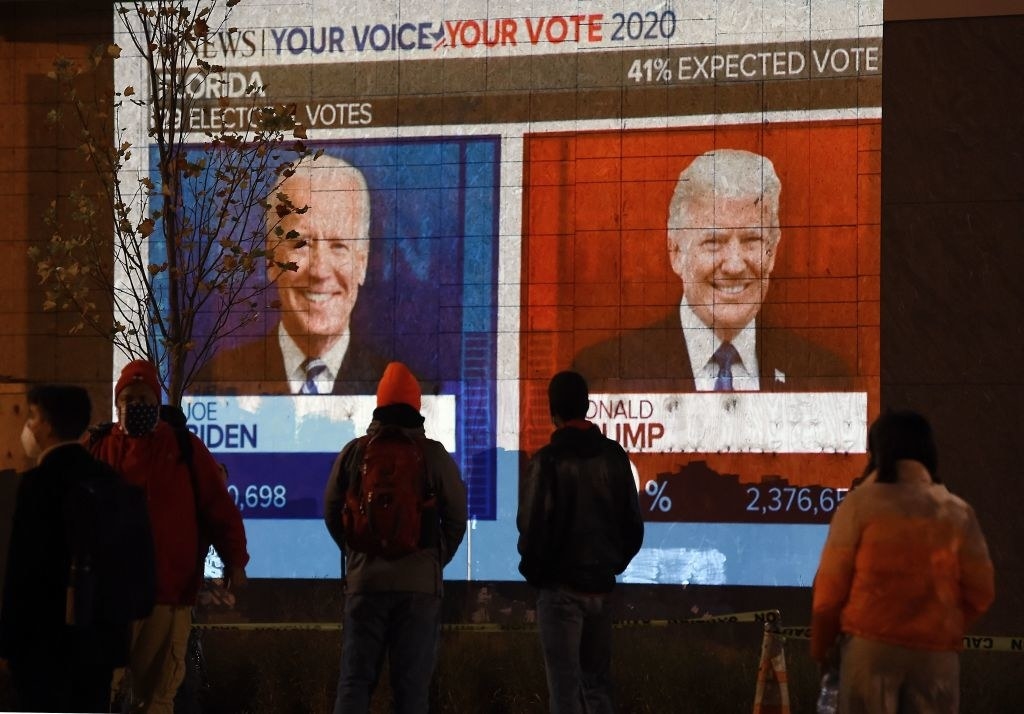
<point x="600" y="186"/>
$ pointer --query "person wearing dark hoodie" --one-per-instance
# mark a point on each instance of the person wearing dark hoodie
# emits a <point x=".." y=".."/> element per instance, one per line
<point x="393" y="601"/>
<point x="579" y="526"/>
<point x="56" y="663"/>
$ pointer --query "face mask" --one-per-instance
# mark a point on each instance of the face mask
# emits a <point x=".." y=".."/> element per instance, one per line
<point x="29" y="443"/>
<point x="140" y="419"/>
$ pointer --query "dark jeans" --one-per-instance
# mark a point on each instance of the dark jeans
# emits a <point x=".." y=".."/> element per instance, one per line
<point x="576" y="635"/>
<point x="405" y="626"/>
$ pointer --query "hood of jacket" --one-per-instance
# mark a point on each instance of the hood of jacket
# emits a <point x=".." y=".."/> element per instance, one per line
<point x="401" y="415"/>
<point x="580" y="438"/>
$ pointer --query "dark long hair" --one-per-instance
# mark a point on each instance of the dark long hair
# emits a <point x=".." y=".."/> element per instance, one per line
<point x="899" y="435"/>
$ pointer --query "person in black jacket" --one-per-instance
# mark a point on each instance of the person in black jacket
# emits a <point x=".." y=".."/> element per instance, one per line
<point x="55" y="666"/>
<point x="579" y="526"/>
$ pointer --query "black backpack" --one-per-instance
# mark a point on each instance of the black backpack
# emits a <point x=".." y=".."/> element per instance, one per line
<point x="113" y="566"/>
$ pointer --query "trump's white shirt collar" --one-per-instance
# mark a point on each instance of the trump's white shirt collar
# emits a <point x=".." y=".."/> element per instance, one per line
<point x="294" y="358"/>
<point x="701" y="343"/>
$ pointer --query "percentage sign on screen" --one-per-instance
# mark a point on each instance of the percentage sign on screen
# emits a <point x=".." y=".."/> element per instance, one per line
<point x="662" y="72"/>
<point x="659" y="499"/>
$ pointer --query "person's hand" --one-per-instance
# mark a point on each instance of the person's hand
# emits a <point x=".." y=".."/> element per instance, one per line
<point x="235" y="577"/>
<point x="4" y="667"/>
<point x="214" y="594"/>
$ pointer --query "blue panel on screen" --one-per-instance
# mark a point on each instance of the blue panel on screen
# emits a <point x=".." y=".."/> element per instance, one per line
<point x="429" y="300"/>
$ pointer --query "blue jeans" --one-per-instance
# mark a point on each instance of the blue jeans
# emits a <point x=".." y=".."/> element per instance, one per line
<point x="406" y="627"/>
<point x="576" y="635"/>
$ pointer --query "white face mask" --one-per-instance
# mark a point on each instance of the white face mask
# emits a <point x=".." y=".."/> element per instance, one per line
<point x="29" y="443"/>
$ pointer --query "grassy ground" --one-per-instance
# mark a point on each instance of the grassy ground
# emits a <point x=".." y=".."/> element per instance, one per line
<point x="694" y="668"/>
<point x="659" y="670"/>
<point x="712" y="668"/>
<point x="707" y="668"/>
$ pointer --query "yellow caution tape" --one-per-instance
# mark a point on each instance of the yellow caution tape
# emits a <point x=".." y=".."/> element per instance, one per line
<point x="796" y="633"/>
<point x="768" y="616"/>
<point x="985" y="643"/>
<point x="989" y="643"/>
<point x="322" y="626"/>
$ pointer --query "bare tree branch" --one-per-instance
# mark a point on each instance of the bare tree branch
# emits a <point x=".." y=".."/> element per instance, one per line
<point x="139" y="255"/>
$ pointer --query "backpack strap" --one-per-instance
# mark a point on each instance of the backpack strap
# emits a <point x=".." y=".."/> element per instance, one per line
<point x="351" y="466"/>
<point x="99" y="432"/>
<point x="175" y="417"/>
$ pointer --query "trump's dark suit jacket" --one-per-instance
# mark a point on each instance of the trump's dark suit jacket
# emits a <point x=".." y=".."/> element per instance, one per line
<point x="257" y="367"/>
<point x="654" y="359"/>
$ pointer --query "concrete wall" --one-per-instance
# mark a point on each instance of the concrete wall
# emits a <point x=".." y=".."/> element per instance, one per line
<point x="952" y="251"/>
<point x="35" y="161"/>
<point x="933" y="9"/>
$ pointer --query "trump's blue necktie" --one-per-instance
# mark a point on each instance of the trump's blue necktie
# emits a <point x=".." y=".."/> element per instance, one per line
<point x="724" y="357"/>
<point x="314" y="367"/>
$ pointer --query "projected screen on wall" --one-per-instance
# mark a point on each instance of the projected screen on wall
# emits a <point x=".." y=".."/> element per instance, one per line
<point x="611" y="188"/>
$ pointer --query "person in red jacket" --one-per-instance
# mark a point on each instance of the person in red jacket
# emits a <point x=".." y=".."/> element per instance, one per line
<point x="904" y="573"/>
<point x="145" y="451"/>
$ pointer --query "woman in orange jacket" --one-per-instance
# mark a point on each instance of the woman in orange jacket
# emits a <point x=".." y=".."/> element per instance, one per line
<point x="904" y="572"/>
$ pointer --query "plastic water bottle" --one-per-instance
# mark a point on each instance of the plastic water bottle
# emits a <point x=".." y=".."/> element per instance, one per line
<point x="828" y="698"/>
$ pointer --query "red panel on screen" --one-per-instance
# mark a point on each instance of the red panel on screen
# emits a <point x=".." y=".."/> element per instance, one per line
<point x="596" y="263"/>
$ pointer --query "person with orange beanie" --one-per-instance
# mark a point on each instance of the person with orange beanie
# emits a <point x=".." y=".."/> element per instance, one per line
<point x="393" y="598"/>
<point x="145" y="451"/>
